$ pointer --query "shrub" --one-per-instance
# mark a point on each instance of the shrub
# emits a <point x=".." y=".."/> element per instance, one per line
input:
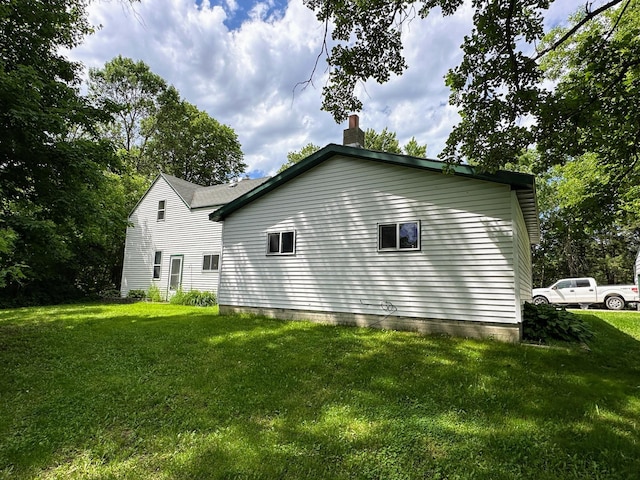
<point x="548" y="322"/>
<point x="153" y="294"/>
<point x="194" y="298"/>
<point x="140" y="294"/>
<point x="109" y="294"/>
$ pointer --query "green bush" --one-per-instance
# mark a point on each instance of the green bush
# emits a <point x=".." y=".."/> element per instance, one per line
<point x="141" y="294"/>
<point x="548" y="322"/>
<point x="153" y="294"/>
<point x="109" y="294"/>
<point x="194" y="298"/>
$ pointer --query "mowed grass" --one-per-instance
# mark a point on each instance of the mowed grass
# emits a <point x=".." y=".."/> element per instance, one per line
<point x="169" y="392"/>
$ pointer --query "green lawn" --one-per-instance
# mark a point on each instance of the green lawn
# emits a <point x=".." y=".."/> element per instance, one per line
<point x="169" y="392"/>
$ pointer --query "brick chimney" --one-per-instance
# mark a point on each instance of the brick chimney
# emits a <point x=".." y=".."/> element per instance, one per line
<point x="353" y="136"/>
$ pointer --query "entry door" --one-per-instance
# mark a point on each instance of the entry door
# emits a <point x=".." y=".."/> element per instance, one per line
<point x="175" y="273"/>
<point x="584" y="292"/>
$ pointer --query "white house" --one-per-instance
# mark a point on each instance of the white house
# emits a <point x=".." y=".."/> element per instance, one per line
<point x="353" y="236"/>
<point x="170" y="241"/>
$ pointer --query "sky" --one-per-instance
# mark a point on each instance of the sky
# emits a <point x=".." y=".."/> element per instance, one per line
<point x="244" y="62"/>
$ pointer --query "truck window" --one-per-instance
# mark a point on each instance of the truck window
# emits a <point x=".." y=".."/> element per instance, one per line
<point x="583" y="282"/>
<point x="564" y="284"/>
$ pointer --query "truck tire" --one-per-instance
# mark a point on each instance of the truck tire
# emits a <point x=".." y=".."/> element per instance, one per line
<point x="540" y="300"/>
<point x="614" y="302"/>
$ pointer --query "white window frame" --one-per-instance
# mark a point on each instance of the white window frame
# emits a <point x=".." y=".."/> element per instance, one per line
<point x="280" y="233"/>
<point x="158" y="265"/>
<point x="209" y="254"/>
<point x="397" y="247"/>
<point x="162" y="210"/>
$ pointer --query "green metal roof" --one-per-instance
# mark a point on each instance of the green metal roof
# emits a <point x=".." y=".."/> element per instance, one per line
<point x="522" y="183"/>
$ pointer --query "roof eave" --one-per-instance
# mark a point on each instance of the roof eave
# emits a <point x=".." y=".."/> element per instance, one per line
<point x="517" y="181"/>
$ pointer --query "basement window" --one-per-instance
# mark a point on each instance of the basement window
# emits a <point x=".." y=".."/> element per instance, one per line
<point x="399" y="236"/>
<point x="161" y="209"/>
<point x="210" y="262"/>
<point x="281" y="243"/>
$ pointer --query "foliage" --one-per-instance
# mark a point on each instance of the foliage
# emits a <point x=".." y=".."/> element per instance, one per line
<point x="189" y="144"/>
<point x="158" y="131"/>
<point x="132" y="92"/>
<point x="295" y="156"/>
<point x="414" y="149"/>
<point x="582" y="233"/>
<point x="194" y="298"/>
<point x="110" y="294"/>
<point x="139" y="294"/>
<point x="499" y="86"/>
<point x="162" y="391"/>
<point x="56" y="181"/>
<point x="384" y="141"/>
<point x="542" y="323"/>
<point x="153" y="294"/>
<point x="10" y="271"/>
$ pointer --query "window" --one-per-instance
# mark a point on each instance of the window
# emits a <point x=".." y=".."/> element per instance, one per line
<point x="399" y="236"/>
<point x="210" y="262"/>
<point x="157" y="264"/>
<point x="565" y="284"/>
<point x="161" y="209"/>
<point x="583" y="282"/>
<point x="281" y="243"/>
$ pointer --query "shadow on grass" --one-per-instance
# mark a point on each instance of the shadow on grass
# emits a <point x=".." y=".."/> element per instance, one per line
<point x="201" y="396"/>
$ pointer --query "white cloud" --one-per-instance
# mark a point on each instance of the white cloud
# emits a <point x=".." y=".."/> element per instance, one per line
<point x="247" y="77"/>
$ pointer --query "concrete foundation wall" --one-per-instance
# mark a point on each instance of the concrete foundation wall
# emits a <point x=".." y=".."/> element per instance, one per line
<point x="499" y="331"/>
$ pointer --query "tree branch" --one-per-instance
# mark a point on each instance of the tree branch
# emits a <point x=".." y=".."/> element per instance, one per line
<point x="577" y="26"/>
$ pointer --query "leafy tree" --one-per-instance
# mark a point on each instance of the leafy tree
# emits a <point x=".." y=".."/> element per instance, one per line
<point x="581" y="236"/>
<point x="132" y="92"/>
<point x="189" y="144"/>
<point x="384" y="141"/>
<point x="52" y="182"/>
<point x="156" y="130"/>
<point x="414" y="149"/>
<point x="295" y="156"/>
<point x="499" y="83"/>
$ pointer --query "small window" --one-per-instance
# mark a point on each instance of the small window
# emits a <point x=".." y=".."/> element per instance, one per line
<point x="564" y="284"/>
<point x="583" y="283"/>
<point x="399" y="236"/>
<point x="210" y="262"/>
<point x="161" y="209"/>
<point x="281" y="243"/>
<point x="157" y="264"/>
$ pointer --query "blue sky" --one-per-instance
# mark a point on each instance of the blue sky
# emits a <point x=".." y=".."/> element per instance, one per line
<point x="241" y="60"/>
<point x="238" y="10"/>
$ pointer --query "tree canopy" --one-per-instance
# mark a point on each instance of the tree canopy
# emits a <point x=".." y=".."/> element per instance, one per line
<point x="499" y="87"/>
<point x="384" y="141"/>
<point x="156" y="130"/>
<point x="72" y="167"/>
<point x="53" y="184"/>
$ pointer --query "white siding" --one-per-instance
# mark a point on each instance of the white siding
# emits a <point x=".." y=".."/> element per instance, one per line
<point x="523" y="263"/>
<point x="183" y="232"/>
<point x="464" y="270"/>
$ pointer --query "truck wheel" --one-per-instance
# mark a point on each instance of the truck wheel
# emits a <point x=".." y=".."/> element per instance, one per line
<point x="540" y="300"/>
<point x="614" y="303"/>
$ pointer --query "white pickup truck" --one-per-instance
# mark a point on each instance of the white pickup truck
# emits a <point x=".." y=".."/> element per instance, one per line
<point x="584" y="292"/>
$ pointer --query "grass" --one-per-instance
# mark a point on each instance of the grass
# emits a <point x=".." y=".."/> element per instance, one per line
<point x="170" y="392"/>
